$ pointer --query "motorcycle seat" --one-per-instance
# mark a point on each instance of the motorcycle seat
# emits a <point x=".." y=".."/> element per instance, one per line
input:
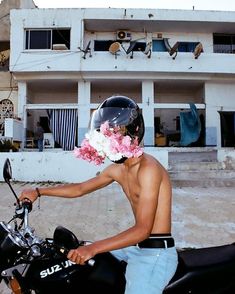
<point x="209" y="256"/>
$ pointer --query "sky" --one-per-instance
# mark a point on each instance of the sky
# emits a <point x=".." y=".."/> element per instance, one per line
<point x="227" y="5"/>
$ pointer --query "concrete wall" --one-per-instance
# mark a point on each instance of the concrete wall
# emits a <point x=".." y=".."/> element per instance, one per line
<point x="58" y="166"/>
<point x="8" y="90"/>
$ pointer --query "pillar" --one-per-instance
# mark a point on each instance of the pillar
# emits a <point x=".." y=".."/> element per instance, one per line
<point x="148" y="111"/>
<point x="84" y="98"/>
<point x="22" y="114"/>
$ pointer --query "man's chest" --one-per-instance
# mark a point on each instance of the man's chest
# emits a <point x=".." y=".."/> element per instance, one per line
<point x="131" y="188"/>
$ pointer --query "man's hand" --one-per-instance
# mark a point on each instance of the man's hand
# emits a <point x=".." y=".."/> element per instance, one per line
<point x="81" y="254"/>
<point x="31" y="194"/>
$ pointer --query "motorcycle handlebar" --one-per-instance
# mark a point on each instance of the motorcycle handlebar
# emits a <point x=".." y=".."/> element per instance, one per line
<point x="90" y="262"/>
<point x="27" y="203"/>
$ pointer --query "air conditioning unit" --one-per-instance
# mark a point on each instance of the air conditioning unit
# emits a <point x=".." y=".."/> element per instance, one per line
<point x="123" y="36"/>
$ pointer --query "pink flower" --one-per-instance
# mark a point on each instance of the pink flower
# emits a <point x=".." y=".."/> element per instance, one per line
<point x="110" y="143"/>
<point x="88" y="153"/>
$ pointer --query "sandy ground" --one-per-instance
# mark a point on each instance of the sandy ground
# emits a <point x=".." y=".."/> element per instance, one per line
<point x="201" y="216"/>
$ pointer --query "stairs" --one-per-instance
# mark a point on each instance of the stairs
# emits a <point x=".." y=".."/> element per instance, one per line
<point x="199" y="169"/>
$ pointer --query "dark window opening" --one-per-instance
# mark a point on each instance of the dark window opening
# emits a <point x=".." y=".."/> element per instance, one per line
<point x="224" y="43"/>
<point x="38" y="39"/>
<point x="139" y="46"/>
<point x="105" y="44"/>
<point x="187" y="46"/>
<point x="227" y="121"/>
<point x="159" y="46"/>
<point x="4" y="55"/>
<point x="102" y="45"/>
<point x="4" y="45"/>
<point x="61" y="37"/>
<point x="45" y="39"/>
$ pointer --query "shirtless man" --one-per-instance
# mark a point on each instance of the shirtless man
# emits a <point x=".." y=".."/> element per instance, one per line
<point x="147" y="246"/>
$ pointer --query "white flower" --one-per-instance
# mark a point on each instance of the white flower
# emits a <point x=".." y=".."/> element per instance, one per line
<point x="114" y="157"/>
<point x="98" y="141"/>
<point x="102" y="144"/>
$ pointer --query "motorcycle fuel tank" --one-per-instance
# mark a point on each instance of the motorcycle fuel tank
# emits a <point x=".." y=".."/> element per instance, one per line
<point x="60" y="275"/>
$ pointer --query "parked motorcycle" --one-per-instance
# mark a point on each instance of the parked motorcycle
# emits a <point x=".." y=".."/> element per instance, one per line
<point x="30" y="264"/>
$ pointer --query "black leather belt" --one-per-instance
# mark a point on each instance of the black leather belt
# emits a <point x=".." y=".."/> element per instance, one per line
<point x="156" y="242"/>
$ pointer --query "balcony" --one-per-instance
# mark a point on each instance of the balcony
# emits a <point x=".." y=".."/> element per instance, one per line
<point x="121" y="63"/>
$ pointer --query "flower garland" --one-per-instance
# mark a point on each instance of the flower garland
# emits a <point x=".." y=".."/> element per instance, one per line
<point x="107" y="143"/>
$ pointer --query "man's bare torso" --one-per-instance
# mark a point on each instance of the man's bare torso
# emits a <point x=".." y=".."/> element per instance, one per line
<point x="130" y="175"/>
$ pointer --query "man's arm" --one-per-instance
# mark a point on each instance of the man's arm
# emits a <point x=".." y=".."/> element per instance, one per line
<point x="72" y="190"/>
<point x="144" y="215"/>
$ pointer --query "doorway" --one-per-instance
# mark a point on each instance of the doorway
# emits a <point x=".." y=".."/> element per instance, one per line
<point x="227" y="124"/>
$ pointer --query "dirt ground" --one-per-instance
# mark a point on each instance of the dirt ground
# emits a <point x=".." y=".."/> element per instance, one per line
<point x="201" y="216"/>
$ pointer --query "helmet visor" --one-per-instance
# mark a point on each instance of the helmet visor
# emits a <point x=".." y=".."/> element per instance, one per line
<point x="114" y="115"/>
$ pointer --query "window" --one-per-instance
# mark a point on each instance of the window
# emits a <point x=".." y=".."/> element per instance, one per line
<point x="6" y="110"/>
<point x="4" y="55"/>
<point x="45" y="39"/>
<point x="159" y="46"/>
<point x="4" y="45"/>
<point x="104" y="45"/>
<point x="139" y="46"/>
<point x="224" y="43"/>
<point x="187" y="46"/>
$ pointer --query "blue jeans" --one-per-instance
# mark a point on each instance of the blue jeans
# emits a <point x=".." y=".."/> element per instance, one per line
<point x="148" y="270"/>
<point x="40" y="144"/>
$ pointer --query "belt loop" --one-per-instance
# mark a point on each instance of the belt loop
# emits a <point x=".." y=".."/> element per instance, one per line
<point x="165" y="243"/>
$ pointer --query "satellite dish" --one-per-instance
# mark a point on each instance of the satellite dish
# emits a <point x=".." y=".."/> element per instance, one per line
<point x="148" y="49"/>
<point x="4" y="56"/>
<point x="114" y="48"/>
<point x="86" y="50"/>
<point x="198" y="50"/>
<point x="131" y="47"/>
<point x="171" y="50"/>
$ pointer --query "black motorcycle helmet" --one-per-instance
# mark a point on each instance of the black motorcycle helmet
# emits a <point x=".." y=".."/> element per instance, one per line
<point x="120" y="111"/>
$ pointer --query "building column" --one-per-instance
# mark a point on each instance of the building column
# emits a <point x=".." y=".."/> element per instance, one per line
<point x="148" y="111"/>
<point x="22" y="113"/>
<point x="84" y="98"/>
<point x="212" y="119"/>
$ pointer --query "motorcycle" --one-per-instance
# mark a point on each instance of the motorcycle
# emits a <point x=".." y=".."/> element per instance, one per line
<point x="30" y="264"/>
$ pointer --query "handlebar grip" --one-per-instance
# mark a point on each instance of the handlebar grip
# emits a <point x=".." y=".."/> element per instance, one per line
<point x="91" y="262"/>
<point x="27" y="203"/>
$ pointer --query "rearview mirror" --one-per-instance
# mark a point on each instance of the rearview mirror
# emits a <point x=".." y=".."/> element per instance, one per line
<point x="7" y="173"/>
<point x="63" y="238"/>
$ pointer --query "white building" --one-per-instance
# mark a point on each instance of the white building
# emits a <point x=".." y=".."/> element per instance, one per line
<point x="8" y="87"/>
<point x="72" y="59"/>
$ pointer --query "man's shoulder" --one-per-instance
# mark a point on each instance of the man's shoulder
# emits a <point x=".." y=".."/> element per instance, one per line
<point x="150" y="159"/>
<point x="150" y="164"/>
<point x="112" y="170"/>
